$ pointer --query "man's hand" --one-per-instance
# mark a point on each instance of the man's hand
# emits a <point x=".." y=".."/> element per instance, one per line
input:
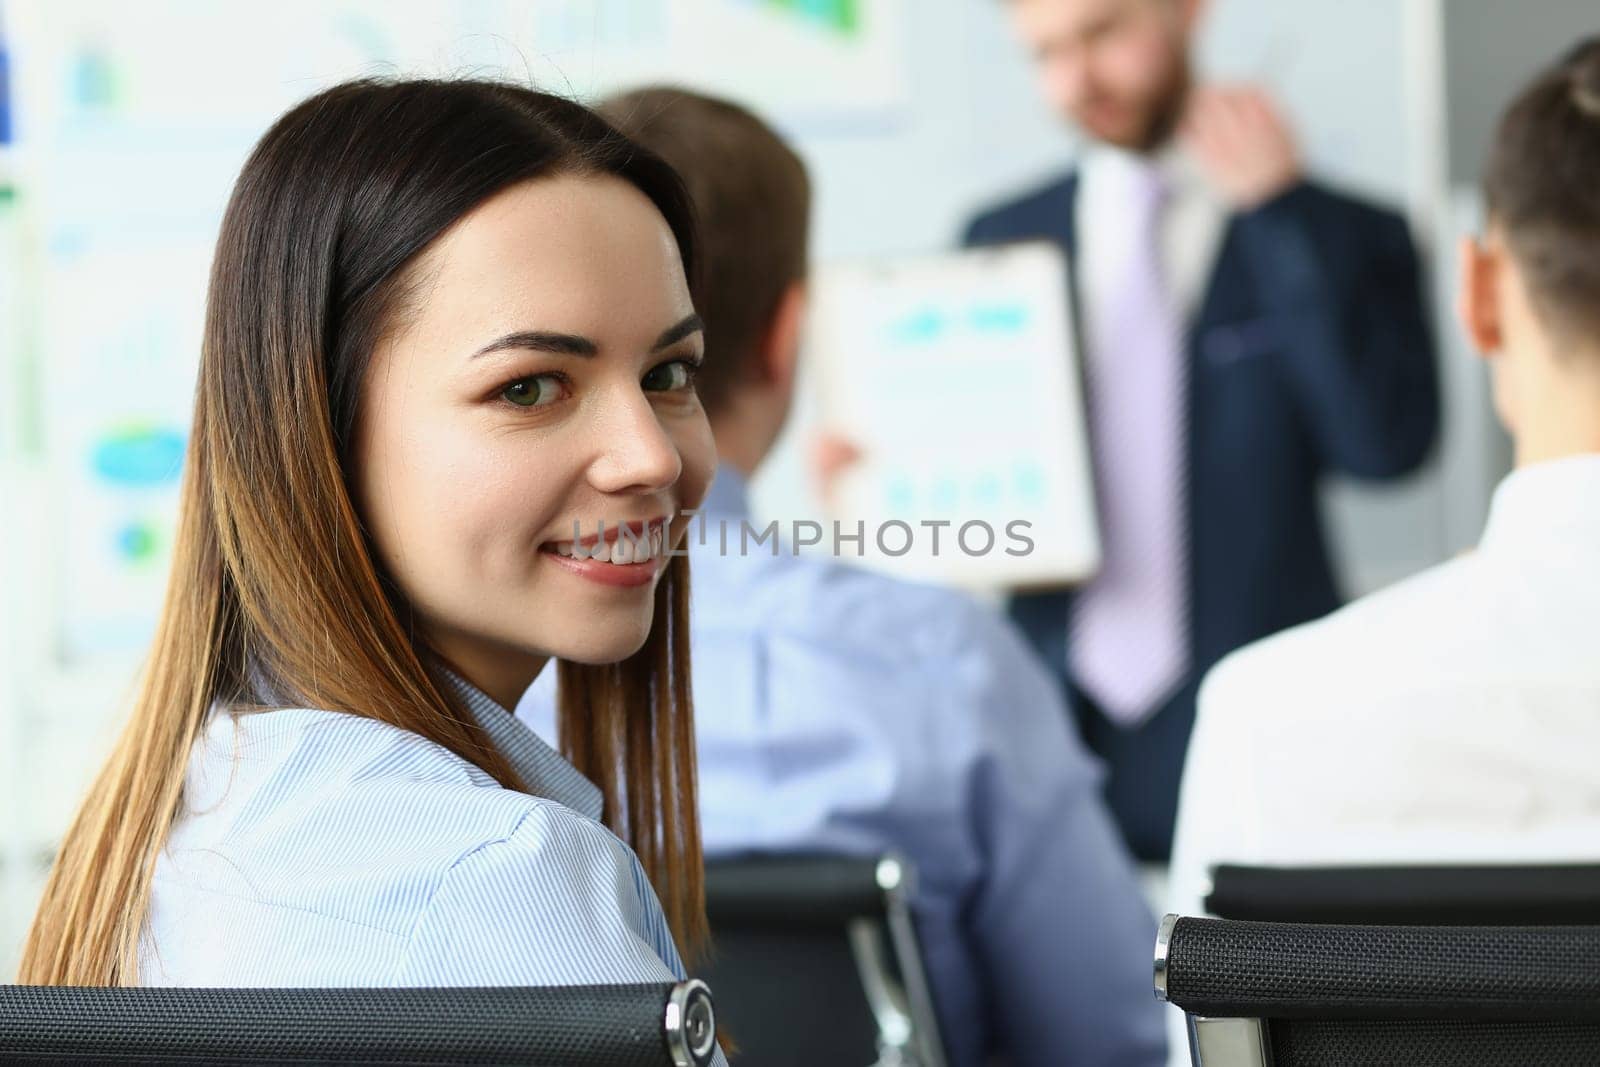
<point x="830" y="455"/>
<point x="1242" y="142"/>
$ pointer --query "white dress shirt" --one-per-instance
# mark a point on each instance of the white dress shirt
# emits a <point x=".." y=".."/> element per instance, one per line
<point x="1454" y="717"/>
<point x="1192" y="224"/>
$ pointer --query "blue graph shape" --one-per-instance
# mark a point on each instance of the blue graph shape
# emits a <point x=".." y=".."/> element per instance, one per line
<point x="919" y="327"/>
<point x="986" y="490"/>
<point x="900" y="497"/>
<point x="137" y="542"/>
<point x="1028" y="481"/>
<point x="5" y="92"/>
<point x="999" y="318"/>
<point x="139" y="458"/>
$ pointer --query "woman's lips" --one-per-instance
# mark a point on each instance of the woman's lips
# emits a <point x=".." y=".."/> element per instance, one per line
<point x="625" y="575"/>
<point x="626" y="555"/>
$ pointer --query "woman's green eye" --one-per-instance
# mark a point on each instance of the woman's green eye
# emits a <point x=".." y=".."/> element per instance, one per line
<point x="532" y="392"/>
<point x="678" y="374"/>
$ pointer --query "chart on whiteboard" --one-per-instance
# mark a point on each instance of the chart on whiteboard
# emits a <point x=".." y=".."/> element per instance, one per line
<point x="842" y="61"/>
<point x="124" y="170"/>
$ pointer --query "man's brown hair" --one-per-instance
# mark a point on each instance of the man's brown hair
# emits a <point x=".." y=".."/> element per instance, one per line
<point x="1542" y="184"/>
<point x="752" y="200"/>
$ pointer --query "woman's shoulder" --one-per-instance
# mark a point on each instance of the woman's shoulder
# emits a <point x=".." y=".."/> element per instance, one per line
<point x="303" y="806"/>
<point x="559" y="900"/>
<point x="402" y="861"/>
<point x="306" y="745"/>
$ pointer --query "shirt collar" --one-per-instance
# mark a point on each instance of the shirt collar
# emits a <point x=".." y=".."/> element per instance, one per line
<point x="1182" y="171"/>
<point x="729" y="495"/>
<point x="1179" y="170"/>
<point x="1557" y="500"/>
<point x="543" y="770"/>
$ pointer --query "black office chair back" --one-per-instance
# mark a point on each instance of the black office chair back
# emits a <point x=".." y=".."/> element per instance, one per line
<point x="1547" y="895"/>
<point x="815" y="960"/>
<point x="1303" y="995"/>
<point x="655" y="1025"/>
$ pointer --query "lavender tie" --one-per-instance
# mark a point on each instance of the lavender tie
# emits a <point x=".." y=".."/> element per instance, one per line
<point x="1129" y="643"/>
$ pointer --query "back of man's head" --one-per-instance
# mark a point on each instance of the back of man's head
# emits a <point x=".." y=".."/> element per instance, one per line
<point x="752" y="200"/>
<point x="1542" y="189"/>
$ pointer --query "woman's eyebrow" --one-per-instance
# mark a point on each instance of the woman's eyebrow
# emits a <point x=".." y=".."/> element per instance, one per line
<point x="691" y="324"/>
<point x="571" y="344"/>
<point x="561" y="344"/>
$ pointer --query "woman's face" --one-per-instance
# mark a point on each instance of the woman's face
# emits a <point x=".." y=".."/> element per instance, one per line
<point x="541" y="384"/>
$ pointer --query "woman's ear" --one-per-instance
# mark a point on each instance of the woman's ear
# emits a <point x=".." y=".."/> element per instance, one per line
<point x="1478" y="305"/>
<point x="780" y="349"/>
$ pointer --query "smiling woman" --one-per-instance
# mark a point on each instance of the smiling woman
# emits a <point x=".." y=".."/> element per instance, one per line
<point x="550" y="364"/>
<point x="444" y="430"/>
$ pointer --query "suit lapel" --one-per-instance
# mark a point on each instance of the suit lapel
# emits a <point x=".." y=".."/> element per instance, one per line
<point x="1063" y="210"/>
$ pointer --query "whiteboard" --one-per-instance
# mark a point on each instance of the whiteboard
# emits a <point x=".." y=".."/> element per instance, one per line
<point x="957" y="376"/>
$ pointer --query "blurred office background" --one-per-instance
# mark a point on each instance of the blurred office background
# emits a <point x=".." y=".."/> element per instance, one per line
<point x="123" y="125"/>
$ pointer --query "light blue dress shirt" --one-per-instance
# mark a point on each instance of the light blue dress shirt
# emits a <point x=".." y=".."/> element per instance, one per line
<point x="319" y="848"/>
<point x="836" y="709"/>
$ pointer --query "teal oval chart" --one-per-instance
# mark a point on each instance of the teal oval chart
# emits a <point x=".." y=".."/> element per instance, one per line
<point x="139" y="457"/>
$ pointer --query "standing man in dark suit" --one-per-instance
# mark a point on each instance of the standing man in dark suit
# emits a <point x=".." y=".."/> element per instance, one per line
<point x="1245" y="330"/>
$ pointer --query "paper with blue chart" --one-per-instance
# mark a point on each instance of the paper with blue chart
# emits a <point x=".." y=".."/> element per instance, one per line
<point x="957" y="377"/>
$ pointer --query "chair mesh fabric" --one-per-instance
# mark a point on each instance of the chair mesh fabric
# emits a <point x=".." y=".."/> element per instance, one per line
<point x="1429" y="1043"/>
<point x="1288" y="970"/>
<point x="762" y="975"/>
<point x="576" y="1026"/>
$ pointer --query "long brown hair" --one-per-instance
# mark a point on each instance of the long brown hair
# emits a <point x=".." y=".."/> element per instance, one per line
<point x="274" y="586"/>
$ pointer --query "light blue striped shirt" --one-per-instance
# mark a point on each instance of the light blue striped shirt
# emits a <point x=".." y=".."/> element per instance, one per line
<point x="319" y="848"/>
<point x="838" y="709"/>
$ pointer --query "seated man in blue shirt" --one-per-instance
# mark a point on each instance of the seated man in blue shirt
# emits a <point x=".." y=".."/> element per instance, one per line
<point x="839" y="710"/>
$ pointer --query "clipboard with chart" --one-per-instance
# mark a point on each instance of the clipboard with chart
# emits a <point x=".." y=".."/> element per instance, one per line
<point x="957" y="377"/>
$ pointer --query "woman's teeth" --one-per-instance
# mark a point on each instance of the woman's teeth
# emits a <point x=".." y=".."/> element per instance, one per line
<point x="624" y="550"/>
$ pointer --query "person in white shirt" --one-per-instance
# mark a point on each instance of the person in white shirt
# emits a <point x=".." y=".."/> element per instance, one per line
<point x="1455" y="716"/>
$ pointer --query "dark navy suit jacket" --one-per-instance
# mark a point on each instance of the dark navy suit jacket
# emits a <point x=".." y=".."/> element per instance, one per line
<point x="1310" y="354"/>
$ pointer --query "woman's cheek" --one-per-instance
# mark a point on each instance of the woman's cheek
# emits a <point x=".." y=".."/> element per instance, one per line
<point x="698" y="450"/>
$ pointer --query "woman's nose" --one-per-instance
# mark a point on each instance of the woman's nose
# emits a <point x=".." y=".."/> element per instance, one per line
<point x="634" y="452"/>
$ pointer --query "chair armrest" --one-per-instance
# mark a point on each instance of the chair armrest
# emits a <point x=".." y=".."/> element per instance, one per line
<point x="801" y="891"/>
<point x="1559" y="894"/>
<point x="1222" y="968"/>
<point x="648" y="1025"/>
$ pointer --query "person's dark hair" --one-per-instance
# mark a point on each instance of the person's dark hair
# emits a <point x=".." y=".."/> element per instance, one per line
<point x="1542" y="186"/>
<point x="275" y="588"/>
<point x="752" y="200"/>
